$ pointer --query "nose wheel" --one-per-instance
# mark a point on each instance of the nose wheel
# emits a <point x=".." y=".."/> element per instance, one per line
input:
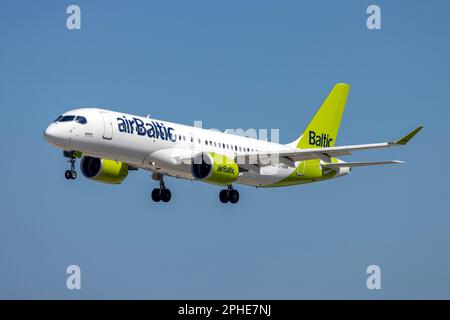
<point x="229" y="195"/>
<point x="162" y="193"/>
<point x="70" y="174"/>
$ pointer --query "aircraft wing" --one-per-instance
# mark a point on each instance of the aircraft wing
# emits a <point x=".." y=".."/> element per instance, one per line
<point x="292" y="155"/>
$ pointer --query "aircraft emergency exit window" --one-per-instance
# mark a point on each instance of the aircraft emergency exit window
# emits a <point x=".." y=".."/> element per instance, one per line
<point x="81" y="120"/>
<point x="66" y="119"/>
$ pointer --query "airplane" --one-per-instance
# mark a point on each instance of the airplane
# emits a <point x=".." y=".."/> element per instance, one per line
<point x="109" y="144"/>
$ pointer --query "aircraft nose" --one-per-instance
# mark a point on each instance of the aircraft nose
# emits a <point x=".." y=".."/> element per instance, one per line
<point x="48" y="133"/>
<point x="51" y="134"/>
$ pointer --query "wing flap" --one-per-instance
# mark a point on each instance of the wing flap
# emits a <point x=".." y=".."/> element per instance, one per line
<point x="359" y="164"/>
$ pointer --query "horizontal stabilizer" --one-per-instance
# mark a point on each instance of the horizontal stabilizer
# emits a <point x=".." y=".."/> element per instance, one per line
<point x="359" y="164"/>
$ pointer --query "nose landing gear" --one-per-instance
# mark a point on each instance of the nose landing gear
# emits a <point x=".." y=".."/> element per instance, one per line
<point x="70" y="174"/>
<point x="229" y="195"/>
<point x="162" y="193"/>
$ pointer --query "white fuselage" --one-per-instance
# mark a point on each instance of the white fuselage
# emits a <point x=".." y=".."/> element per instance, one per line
<point x="156" y="145"/>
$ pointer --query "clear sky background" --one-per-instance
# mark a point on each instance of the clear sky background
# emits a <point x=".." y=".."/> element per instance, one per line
<point x="231" y="64"/>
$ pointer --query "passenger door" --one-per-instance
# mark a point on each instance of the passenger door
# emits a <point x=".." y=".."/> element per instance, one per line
<point x="107" y="125"/>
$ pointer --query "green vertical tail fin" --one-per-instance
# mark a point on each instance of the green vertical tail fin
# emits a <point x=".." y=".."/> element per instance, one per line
<point x="323" y="129"/>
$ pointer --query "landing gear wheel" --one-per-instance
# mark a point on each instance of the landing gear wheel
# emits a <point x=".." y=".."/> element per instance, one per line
<point x="70" y="174"/>
<point x="233" y="195"/>
<point x="162" y="193"/>
<point x="166" y="195"/>
<point x="156" y="195"/>
<point x="223" y="196"/>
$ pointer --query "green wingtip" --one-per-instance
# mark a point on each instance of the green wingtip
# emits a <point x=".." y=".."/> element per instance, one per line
<point x="409" y="136"/>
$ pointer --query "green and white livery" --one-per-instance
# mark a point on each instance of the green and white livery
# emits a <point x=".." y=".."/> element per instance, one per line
<point x="110" y="144"/>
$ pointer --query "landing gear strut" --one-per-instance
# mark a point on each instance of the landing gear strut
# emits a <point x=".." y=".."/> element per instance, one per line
<point x="229" y="195"/>
<point x="162" y="193"/>
<point x="70" y="174"/>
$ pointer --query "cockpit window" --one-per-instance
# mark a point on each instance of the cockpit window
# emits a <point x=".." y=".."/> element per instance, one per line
<point x="66" y="118"/>
<point x="81" y="120"/>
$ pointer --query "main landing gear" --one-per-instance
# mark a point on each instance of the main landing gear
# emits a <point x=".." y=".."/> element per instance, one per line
<point x="229" y="195"/>
<point x="162" y="193"/>
<point x="70" y="174"/>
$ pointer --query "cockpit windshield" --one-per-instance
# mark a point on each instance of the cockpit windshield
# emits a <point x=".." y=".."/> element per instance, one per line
<point x="81" y="120"/>
<point x="68" y="118"/>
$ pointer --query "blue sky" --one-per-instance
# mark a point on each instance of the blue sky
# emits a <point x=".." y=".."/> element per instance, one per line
<point x="231" y="64"/>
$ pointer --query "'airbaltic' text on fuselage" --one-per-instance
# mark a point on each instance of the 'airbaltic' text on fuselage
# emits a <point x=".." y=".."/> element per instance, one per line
<point x="150" y="129"/>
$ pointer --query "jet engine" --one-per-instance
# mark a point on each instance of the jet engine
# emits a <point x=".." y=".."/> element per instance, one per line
<point x="214" y="168"/>
<point x="103" y="170"/>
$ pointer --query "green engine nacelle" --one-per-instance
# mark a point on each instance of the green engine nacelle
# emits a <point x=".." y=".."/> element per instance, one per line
<point x="214" y="168"/>
<point x="103" y="170"/>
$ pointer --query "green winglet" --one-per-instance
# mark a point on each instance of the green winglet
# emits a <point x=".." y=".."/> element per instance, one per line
<point x="408" y="137"/>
